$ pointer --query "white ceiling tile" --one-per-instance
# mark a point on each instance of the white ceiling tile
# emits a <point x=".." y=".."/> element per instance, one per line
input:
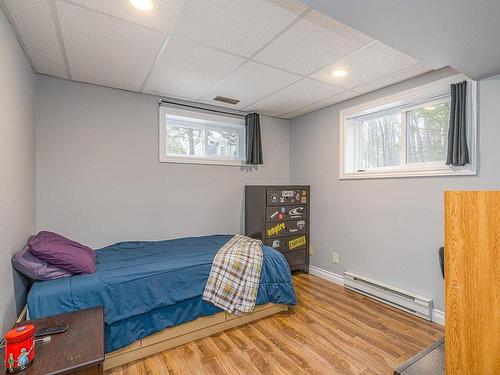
<point x="366" y="64"/>
<point x="251" y="82"/>
<point x="162" y="17"/>
<point x="295" y="96"/>
<point x="312" y="43"/>
<point x="105" y="50"/>
<point x="392" y="78"/>
<point x="238" y="26"/>
<point x="294" y="6"/>
<point x="37" y="30"/>
<point x="112" y="44"/>
<point x="187" y="69"/>
<point x="345" y="95"/>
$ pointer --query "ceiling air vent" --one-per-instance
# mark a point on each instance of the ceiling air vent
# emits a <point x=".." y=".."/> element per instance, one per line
<point x="226" y="100"/>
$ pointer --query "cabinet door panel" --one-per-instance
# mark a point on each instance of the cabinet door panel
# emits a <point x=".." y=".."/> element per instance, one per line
<point x="472" y="282"/>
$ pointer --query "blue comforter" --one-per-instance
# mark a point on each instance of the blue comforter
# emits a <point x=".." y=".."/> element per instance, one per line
<point x="148" y="286"/>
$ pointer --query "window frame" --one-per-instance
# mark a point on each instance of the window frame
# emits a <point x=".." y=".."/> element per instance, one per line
<point x="236" y="121"/>
<point x="421" y="96"/>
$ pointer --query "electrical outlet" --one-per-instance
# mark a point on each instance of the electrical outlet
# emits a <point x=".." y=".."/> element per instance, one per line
<point x="311" y="250"/>
<point x="335" y="258"/>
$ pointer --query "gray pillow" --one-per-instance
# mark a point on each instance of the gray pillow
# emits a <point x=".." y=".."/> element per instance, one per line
<point x="35" y="268"/>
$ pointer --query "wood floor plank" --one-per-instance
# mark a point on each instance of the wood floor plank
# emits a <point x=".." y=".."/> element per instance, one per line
<point x="392" y="331"/>
<point x="331" y="331"/>
<point x="235" y="355"/>
<point x="338" y="360"/>
<point x="361" y="307"/>
<point x="362" y="302"/>
<point x="284" y="362"/>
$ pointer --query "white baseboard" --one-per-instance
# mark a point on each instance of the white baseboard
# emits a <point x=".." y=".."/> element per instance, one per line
<point x="437" y="315"/>
<point x="327" y="275"/>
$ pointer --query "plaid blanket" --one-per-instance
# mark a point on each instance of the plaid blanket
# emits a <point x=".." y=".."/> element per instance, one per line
<point x="234" y="277"/>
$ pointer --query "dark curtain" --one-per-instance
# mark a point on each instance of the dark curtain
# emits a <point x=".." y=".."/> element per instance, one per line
<point x="458" y="152"/>
<point x="254" y="143"/>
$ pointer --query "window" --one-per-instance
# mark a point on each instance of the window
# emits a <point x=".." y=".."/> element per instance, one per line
<point x="192" y="136"/>
<point x="403" y="135"/>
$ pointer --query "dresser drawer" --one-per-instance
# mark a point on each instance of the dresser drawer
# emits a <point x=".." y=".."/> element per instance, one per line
<point x="287" y="243"/>
<point x="286" y="228"/>
<point x="275" y="197"/>
<point x="280" y="213"/>
<point x="296" y="259"/>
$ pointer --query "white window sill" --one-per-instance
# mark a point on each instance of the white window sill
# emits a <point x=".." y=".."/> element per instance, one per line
<point x="397" y="173"/>
<point x="199" y="161"/>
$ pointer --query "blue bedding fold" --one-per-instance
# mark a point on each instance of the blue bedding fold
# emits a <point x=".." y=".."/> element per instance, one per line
<point x="148" y="286"/>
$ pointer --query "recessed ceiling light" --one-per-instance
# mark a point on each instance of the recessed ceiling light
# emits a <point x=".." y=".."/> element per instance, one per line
<point x="339" y="73"/>
<point x="143" y="5"/>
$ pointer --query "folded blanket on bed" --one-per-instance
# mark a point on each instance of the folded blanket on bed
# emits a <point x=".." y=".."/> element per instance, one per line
<point x="234" y="277"/>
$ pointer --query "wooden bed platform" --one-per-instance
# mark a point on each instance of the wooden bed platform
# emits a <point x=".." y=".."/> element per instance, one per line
<point x="187" y="332"/>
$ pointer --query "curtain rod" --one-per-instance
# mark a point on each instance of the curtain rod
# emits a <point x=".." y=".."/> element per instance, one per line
<point x="160" y="101"/>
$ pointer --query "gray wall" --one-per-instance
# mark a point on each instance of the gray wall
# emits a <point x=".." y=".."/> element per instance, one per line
<point x="99" y="180"/>
<point x="386" y="229"/>
<point x="17" y="163"/>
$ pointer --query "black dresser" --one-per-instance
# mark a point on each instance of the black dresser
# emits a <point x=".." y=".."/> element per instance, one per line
<point x="279" y="216"/>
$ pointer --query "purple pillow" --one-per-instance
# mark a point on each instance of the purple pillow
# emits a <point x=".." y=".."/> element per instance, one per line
<point x="63" y="252"/>
<point x="34" y="268"/>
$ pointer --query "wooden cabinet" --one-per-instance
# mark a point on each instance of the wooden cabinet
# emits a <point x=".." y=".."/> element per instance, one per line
<point x="279" y="216"/>
<point x="472" y="282"/>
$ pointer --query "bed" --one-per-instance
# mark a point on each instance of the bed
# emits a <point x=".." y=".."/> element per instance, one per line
<point x="146" y="287"/>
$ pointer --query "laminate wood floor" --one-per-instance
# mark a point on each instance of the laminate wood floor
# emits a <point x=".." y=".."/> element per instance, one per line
<point x="331" y="331"/>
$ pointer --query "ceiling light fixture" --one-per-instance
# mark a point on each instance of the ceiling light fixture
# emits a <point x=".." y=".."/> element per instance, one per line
<point x="144" y="5"/>
<point x="339" y="73"/>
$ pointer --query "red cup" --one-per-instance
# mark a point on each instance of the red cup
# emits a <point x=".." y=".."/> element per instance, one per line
<point x="19" y="348"/>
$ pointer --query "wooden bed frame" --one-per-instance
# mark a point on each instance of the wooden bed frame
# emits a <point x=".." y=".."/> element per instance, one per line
<point x="186" y="332"/>
<point x="181" y="334"/>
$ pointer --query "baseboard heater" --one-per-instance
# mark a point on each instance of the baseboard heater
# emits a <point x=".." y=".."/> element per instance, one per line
<point x="390" y="295"/>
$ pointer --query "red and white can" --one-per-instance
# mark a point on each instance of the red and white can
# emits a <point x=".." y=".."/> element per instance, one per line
<point x="19" y="348"/>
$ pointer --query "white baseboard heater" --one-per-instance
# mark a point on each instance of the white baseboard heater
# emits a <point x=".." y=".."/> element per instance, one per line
<point x="390" y="295"/>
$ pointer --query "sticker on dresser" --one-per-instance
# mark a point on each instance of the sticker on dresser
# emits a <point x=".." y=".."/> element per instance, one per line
<point x="287" y="243"/>
<point x="276" y="197"/>
<point x="284" y="228"/>
<point x="280" y="213"/>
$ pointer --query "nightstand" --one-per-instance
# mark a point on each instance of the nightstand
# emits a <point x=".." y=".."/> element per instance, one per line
<point x="79" y="350"/>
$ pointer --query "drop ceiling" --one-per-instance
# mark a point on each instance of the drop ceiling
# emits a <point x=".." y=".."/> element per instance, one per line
<point x="463" y="34"/>
<point x="275" y="56"/>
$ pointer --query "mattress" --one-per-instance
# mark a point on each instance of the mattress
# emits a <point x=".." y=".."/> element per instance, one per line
<point x="146" y="286"/>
